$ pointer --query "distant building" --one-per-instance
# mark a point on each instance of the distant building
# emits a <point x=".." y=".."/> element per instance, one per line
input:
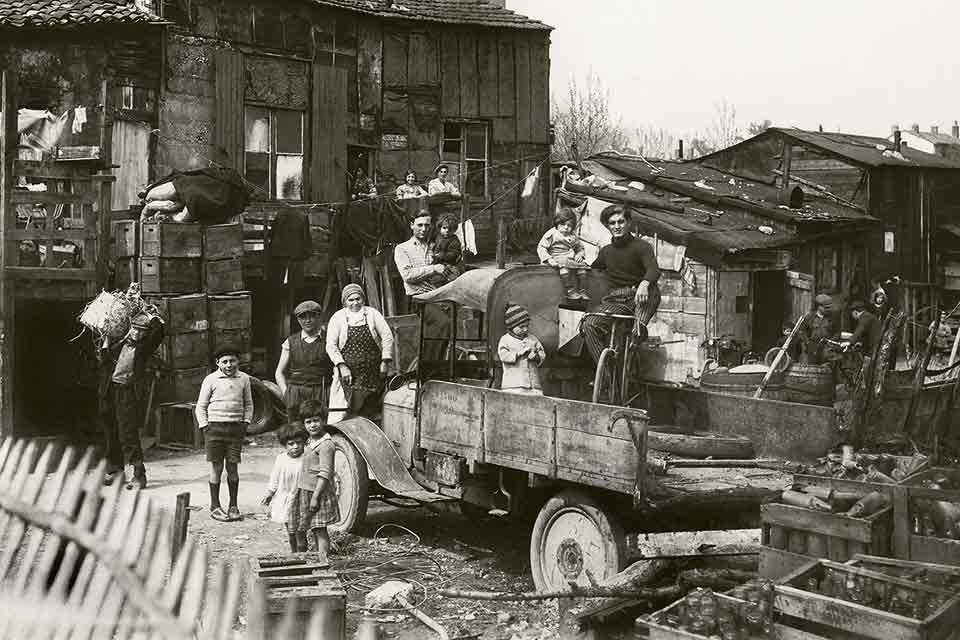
<point x="932" y="141"/>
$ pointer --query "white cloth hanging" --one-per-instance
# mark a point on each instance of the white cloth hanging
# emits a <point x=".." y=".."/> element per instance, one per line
<point x="468" y="236"/>
<point x="79" y="119"/>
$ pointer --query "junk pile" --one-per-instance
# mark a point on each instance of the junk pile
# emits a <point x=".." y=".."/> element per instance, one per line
<point x="208" y="196"/>
<point x="867" y="467"/>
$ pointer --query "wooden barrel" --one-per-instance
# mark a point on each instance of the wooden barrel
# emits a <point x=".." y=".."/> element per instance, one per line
<point x="741" y="384"/>
<point x="809" y="384"/>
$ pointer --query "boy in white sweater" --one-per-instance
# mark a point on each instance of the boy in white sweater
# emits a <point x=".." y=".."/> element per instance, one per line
<point x="224" y="409"/>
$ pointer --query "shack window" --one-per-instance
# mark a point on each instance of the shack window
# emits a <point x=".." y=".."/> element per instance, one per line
<point x="465" y="151"/>
<point x="273" y="158"/>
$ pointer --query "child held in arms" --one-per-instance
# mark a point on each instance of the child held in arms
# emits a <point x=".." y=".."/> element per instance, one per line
<point x="561" y="248"/>
<point x="285" y="482"/>
<point x="318" y="506"/>
<point x="224" y="409"/>
<point x="521" y="353"/>
<point x="447" y="249"/>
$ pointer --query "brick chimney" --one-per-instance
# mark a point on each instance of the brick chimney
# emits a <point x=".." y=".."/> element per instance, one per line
<point x="955" y="130"/>
<point x="915" y="128"/>
<point x="934" y="129"/>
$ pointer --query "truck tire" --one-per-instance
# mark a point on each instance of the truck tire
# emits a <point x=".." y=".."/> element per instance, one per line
<point x="352" y="484"/>
<point x="268" y="410"/>
<point x="574" y="533"/>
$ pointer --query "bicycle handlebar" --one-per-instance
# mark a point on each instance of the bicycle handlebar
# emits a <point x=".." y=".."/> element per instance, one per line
<point x="615" y="316"/>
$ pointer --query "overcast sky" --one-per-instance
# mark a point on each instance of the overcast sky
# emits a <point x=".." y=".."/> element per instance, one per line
<point x="850" y="65"/>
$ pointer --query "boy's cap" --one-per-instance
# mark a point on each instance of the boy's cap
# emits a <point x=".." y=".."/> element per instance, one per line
<point x="515" y="316"/>
<point x="307" y="306"/>
<point x="226" y="350"/>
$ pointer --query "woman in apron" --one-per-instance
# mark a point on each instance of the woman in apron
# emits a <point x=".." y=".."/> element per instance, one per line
<point x="360" y="345"/>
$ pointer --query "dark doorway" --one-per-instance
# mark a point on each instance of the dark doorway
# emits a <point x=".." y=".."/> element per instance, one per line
<point x="54" y="379"/>
<point x="769" y="309"/>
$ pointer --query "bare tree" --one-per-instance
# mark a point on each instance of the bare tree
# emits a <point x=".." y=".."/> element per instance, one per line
<point x="724" y="130"/>
<point x="756" y="128"/>
<point x="655" y="142"/>
<point x="585" y="121"/>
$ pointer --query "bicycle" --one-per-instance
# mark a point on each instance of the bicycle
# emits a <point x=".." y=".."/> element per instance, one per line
<point x="612" y="383"/>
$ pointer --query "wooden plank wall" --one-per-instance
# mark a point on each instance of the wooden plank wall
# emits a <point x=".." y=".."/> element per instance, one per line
<point x="228" y="124"/>
<point x="328" y="123"/>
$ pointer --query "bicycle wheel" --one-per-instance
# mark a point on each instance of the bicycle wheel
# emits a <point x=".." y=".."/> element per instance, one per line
<point x="629" y="389"/>
<point x="606" y="380"/>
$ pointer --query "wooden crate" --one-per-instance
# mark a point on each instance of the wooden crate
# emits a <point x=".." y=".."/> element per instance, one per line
<point x="222" y="276"/>
<point x="788" y="532"/>
<point x="126" y="238"/>
<point x="171" y="240"/>
<point x="230" y="311"/>
<point x="177" y="424"/>
<point x="942" y="576"/>
<point x="916" y="545"/>
<point x="180" y="385"/>
<point x="304" y="576"/>
<point x="185" y="350"/>
<point x="170" y="275"/>
<point x="242" y="339"/>
<point x="125" y="272"/>
<point x="222" y="241"/>
<point x="182" y="314"/>
<point x="792" y="599"/>
<point x="659" y="629"/>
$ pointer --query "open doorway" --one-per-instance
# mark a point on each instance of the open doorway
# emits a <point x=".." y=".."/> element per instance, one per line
<point x="54" y="376"/>
<point x="769" y="309"/>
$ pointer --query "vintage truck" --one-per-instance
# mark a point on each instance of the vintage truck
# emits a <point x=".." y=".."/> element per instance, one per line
<point x="449" y="435"/>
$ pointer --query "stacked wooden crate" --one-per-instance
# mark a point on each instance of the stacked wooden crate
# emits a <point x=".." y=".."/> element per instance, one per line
<point x="792" y="536"/>
<point x="928" y="516"/>
<point x="126" y="248"/>
<point x="185" y="352"/>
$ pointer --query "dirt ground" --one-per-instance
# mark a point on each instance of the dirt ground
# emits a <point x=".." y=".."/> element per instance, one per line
<point x="430" y="550"/>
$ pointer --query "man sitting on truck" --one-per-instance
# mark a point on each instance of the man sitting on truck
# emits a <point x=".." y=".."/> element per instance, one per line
<point x="632" y="271"/>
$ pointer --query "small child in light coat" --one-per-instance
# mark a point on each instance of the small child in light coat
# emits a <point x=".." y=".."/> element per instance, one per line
<point x="285" y="481"/>
<point x="561" y="248"/>
<point x="520" y="354"/>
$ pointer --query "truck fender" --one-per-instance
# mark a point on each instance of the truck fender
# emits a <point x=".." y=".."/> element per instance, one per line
<point x="383" y="462"/>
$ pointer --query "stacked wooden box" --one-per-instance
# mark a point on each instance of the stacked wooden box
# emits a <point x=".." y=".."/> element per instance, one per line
<point x="921" y="502"/>
<point x="793" y="536"/>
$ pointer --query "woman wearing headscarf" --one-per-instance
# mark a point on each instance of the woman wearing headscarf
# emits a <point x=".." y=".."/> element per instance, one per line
<point x="360" y="345"/>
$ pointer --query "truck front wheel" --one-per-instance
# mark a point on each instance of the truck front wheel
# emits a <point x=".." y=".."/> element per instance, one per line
<point x="575" y="534"/>
<point x="352" y="483"/>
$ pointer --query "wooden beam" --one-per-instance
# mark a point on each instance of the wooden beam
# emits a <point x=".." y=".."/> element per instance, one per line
<point x="8" y="140"/>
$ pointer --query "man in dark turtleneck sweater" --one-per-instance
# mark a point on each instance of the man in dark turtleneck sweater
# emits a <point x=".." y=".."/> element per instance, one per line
<point x="632" y="270"/>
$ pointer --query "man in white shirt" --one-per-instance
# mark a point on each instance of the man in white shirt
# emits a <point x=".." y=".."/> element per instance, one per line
<point x="414" y="258"/>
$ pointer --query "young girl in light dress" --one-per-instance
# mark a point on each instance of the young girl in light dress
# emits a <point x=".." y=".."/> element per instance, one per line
<point x="285" y="480"/>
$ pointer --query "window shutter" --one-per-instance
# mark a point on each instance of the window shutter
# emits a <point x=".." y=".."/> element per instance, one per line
<point x="328" y="135"/>
<point x="228" y="124"/>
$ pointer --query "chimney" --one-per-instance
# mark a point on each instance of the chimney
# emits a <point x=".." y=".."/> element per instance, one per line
<point x="915" y="128"/>
<point x="955" y="131"/>
<point x="934" y="129"/>
<point x="896" y="138"/>
<point x="680" y="149"/>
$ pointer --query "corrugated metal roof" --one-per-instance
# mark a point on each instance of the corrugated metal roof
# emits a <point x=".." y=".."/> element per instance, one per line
<point x="712" y="227"/>
<point x="71" y="13"/>
<point x="866" y="151"/>
<point x="468" y="12"/>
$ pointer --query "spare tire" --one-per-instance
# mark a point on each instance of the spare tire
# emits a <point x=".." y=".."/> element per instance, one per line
<point x="269" y="411"/>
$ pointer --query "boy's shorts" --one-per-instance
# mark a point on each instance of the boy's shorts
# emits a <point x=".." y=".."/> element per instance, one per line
<point x="223" y="441"/>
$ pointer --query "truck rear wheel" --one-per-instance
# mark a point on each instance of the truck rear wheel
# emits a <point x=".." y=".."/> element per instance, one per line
<point x="574" y="534"/>
<point x="352" y="483"/>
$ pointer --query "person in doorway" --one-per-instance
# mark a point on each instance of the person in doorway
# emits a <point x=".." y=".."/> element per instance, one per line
<point x="317" y="498"/>
<point x="561" y="248"/>
<point x="440" y="184"/>
<point x="304" y="369"/>
<point x="362" y="186"/>
<point x="866" y="335"/>
<point x="632" y="271"/>
<point x="410" y="189"/>
<point x="414" y="258"/>
<point x="224" y="410"/>
<point x="447" y="250"/>
<point x="284" y="487"/>
<point x="122" y="371"/>
<point x="520" y="353"/>
<point x="817" y="327"/>
<point x="360" y="345"/>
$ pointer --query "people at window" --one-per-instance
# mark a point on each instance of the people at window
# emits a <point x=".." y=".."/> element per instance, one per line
<point x="440" y="184"/>
<point x="363" y="187"/>
<point x="410" y="188"/>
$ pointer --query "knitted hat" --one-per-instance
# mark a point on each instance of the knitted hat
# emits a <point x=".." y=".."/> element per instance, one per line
<point x="307" y="306"/>
<point x="515" y="316"/>
<point x="351" y="289"/>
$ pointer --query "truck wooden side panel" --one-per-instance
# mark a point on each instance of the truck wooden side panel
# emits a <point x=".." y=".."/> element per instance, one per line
<point x="553" y="437"/>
